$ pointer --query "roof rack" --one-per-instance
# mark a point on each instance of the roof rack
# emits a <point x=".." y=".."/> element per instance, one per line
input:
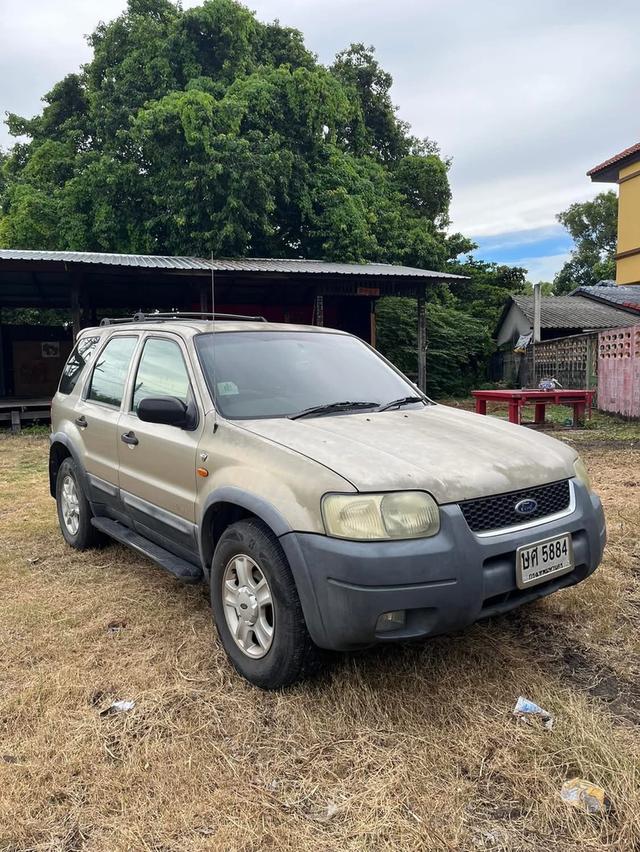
<point x="173" y="315"/>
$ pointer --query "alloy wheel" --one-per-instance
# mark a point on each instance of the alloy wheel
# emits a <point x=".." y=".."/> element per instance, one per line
<point x="70" y="505"/>
<point x="248" y="606"/>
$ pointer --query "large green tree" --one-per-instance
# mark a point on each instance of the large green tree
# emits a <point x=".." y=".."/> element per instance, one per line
<point x="593" y="228"/>
<point x="202" y="130"/>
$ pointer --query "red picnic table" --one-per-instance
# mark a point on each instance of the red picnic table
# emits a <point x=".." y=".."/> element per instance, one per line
<point x="579" y="399"/>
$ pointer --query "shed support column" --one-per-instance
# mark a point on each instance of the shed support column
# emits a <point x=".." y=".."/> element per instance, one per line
<point x="372" y="324"/>
<point x="204" y="297"/>
<point x="75" y="307"/>
<point x="422" y="343"/>
<point x="319" y="310"/>
<point x="3" y="385"/>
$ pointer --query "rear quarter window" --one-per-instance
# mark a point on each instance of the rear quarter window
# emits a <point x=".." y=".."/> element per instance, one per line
<point x="80" y="355"/>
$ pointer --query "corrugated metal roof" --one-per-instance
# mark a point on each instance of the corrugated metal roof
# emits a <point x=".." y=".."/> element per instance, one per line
<point x="576" y="312"/>
<point x="286" y="266"/>
<point x="628" y="152"/>
<point x="622" y="296"/>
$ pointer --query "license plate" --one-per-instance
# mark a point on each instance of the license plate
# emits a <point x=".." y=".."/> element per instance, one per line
<point x="542" y="560"/>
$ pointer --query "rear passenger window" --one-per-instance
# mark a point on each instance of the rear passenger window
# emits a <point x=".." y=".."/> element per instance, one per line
<point x="110" y="372"/>
<point x="82" y="351"/>
<point x="161" y="372"/>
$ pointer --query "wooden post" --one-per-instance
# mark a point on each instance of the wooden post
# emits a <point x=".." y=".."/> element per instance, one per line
<point x="422" y="343"/>
<point x="372" y="327"/>
<point x="204" y="296"/>
<point x="75" y="306"/>
<point x="3" y="384"/>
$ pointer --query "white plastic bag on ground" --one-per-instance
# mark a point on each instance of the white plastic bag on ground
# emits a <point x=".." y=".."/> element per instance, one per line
<point x="528" y="710"/>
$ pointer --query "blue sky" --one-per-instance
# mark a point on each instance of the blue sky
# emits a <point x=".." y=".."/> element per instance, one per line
<point x="541" y="251"/>
<point x="524" y="96"/>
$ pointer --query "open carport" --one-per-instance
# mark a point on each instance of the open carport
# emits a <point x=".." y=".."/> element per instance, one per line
<point x="86" y="286"/>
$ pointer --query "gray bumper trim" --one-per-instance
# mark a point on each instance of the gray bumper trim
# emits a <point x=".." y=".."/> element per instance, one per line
<point x="444" y="583"/>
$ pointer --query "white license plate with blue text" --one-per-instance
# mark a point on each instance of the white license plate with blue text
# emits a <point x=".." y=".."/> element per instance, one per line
<point x="542" y="560"/>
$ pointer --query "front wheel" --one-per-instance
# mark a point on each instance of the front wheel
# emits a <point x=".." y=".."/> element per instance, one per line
<point x="257" y="610"/>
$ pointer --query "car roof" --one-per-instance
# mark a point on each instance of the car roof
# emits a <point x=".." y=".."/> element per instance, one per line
<point x="192" y="327"/>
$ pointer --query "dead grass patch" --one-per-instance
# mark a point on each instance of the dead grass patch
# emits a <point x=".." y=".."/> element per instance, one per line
<point x="397" y="748"/>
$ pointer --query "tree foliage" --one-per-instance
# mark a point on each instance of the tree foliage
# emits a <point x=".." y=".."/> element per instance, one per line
<point x="202" y="130"/>
<point x="457" y="350"/>
<point x="593" y="228"/>
<point x="460" y="321"/>
<point x="488" y="287"/>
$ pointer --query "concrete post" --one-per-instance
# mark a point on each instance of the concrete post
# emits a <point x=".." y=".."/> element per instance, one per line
<point x="537" y="311"/>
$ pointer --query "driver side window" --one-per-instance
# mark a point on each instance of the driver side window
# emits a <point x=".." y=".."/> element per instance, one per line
<point x="161" y="372"/>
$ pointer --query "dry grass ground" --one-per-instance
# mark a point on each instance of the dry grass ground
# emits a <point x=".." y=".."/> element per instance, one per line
<point x="406" y="748"/>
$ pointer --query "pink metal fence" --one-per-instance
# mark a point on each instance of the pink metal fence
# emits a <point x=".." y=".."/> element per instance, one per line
<point x="619" y="371"/>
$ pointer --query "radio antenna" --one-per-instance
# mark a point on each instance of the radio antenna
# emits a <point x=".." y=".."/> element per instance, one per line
<point x="213" y="340"/>
<point x="213" y="290"/>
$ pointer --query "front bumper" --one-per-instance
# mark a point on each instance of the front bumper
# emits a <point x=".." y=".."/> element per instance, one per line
<point x="444" y="583"/>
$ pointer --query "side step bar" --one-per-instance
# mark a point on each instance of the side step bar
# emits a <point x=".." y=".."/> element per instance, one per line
<point x="185" y="571"/>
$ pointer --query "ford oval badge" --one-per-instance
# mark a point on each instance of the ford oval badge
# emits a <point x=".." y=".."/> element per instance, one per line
<point x="526" y="506"/>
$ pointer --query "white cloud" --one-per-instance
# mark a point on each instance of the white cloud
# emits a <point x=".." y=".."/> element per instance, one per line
<point x="542" y="268"/>
<point x="520" y="203"/>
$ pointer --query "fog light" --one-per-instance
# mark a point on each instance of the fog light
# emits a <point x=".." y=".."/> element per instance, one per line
<point x="391" y="620"/>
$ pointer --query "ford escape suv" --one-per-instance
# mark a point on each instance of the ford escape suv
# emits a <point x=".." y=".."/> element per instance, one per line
<point x="327" y="502"/>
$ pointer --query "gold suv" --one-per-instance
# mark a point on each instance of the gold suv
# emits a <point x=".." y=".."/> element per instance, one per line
<point x="325" y="500"/>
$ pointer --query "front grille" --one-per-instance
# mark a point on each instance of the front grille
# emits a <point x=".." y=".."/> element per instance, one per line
<point x="498" y="511"/>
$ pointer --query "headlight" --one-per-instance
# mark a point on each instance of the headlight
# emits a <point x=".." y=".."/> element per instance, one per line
<point x="374" y="517"/>
<point x="581" y="473"/>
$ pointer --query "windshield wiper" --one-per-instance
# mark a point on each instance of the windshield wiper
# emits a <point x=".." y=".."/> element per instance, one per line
<point x="331" y="407"/>
<point x="396" y="403"/>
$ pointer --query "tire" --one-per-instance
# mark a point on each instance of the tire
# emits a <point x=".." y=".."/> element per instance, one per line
<point x="75" y="526"/>
<point x="289" y="655"/>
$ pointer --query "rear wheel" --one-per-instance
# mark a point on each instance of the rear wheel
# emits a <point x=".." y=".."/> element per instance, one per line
<point x="74" y="511"/>
<point x="257" y="609"/>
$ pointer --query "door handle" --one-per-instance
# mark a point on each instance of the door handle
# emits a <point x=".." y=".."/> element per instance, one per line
<point x="81" y="422"/>
<point x="129" y="438"/>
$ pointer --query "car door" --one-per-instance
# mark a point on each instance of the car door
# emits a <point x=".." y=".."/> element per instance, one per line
<point x="97" y="413"/>
<point x="157" y="462"/>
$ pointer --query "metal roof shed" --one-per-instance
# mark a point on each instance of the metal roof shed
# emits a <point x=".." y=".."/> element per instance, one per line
<point x="90" y="284"/>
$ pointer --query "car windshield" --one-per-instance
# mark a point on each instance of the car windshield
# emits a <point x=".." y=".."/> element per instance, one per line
<point x="281" y="373"/>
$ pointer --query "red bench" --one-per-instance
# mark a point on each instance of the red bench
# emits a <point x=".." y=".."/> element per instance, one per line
<point x="581" y="401"/>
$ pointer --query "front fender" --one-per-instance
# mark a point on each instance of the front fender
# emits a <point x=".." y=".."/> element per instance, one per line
<point x="258" y="506"/>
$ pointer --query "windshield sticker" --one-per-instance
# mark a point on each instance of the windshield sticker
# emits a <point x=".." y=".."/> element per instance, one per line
<point x="228" y="389"/>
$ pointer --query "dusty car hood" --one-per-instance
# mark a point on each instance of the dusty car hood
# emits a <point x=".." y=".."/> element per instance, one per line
<point x="455" y="455"/>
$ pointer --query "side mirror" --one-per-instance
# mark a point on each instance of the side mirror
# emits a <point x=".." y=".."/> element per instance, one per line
<point x="168" y="410"/>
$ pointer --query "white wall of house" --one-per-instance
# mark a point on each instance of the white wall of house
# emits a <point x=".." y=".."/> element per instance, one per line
<point x="515" y="323"/>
